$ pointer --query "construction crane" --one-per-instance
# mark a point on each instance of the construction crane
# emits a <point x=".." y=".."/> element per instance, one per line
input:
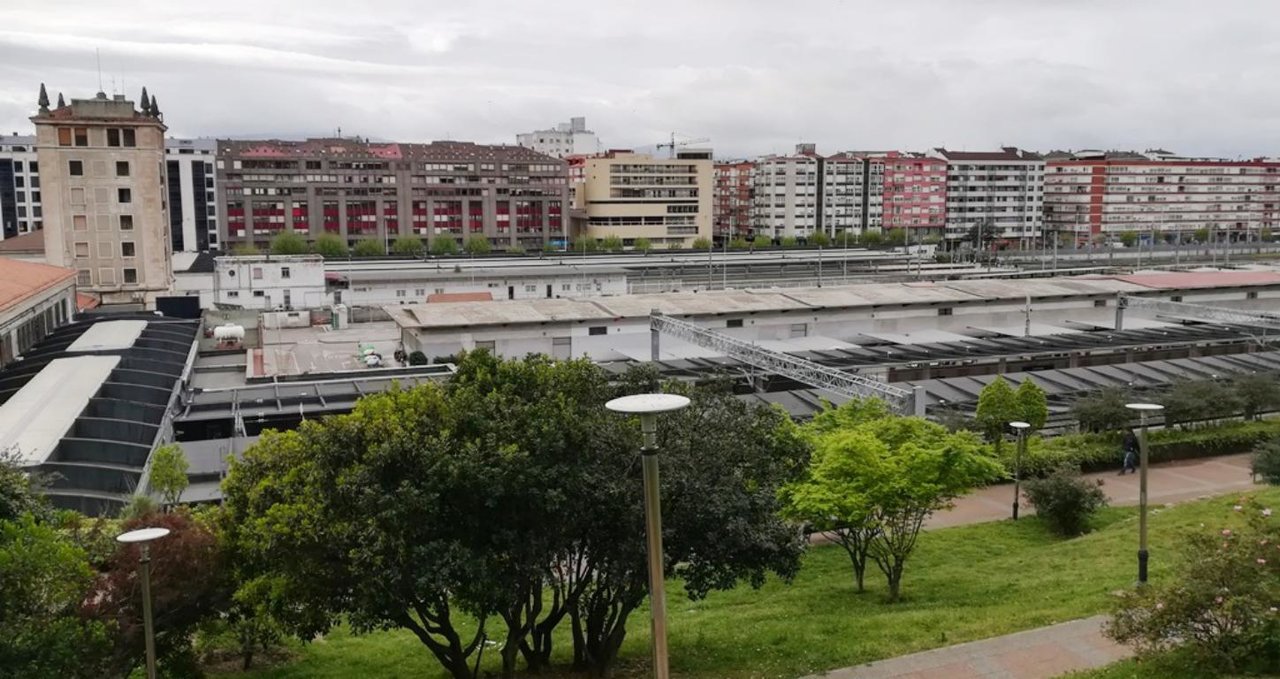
<point x="801" y="370"/>
<point x="673" y="144"/>
<point x="1196" y="312"/>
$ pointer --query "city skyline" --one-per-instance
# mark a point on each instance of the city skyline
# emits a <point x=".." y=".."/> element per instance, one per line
<point x="1042" y="75"/>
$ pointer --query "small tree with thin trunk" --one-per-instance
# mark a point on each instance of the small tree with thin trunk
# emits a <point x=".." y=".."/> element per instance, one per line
<point x="702" y="243"/>
<point x="330" y="246"/>
<point x="612" y="244"/>
<point x="288" y="243"/>
<point x="168" y="475"/>
<point x="819" y="239"/>
<point x="997" y="406"/>
<point x="642" y="244"/>
<point x="1033" y="405"/>
<point x="444" y="245"/>
<point x="409" y="246"/>
<point x="368" y="247"/>
<point x="761" y="241"/>
<point x="477" y="245"/>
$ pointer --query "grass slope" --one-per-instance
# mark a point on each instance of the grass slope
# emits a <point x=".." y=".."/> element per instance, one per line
<point x="964" y="583"/>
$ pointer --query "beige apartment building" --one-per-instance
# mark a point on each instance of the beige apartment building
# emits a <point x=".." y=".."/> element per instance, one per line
<point x="103" y="180"/>
<point x="633" y="195"/>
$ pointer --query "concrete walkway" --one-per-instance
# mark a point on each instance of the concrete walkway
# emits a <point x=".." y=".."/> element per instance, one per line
<point x="1166" y="483"/>
<point x="1034" y="654"/>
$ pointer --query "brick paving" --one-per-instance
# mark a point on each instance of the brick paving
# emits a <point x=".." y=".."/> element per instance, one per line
<point x="1034" y="654"/>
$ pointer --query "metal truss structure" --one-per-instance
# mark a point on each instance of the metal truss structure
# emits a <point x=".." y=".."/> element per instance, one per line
<point x="1197" y="312"/>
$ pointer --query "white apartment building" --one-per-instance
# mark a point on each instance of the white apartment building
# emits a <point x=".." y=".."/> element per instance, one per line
<point x="785" y="203"/>
<point x="193" y="204"/>
<point x="20" y="209"/>
<point x="844" y="191"/>
<point x="1001" y="190"/>
<point x="565" y="139"/>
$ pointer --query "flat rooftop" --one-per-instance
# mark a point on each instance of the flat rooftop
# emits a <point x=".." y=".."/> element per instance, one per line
<point x="291" y="352"/>
<point x="35" y="419"/>
<point x="109" y="336"/>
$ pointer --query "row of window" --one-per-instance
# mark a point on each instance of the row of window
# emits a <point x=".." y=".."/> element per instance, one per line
<point x="106" y="276"/>
<point x="111" y="136"/>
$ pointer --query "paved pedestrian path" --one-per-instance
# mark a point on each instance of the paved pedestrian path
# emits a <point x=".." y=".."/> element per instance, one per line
<point x="1034" y="654"/>
<point x="1167" y="482"/>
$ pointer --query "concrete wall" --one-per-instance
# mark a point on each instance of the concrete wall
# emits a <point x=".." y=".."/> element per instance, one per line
<point x="275" y="282"/>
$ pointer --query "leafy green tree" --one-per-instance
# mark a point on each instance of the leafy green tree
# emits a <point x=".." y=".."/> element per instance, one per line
<point x="408" y="246"/>
<point x="168" y="475"/>
<point x="1129" y="238"/>
<point x="1264" y="234"/>
<point x="477" y="245"/>
<point x="1102" y="410"/>
<point x="516" y="249"/>
<point x="902" y="469"/>
<point x="739" y="243"/>
<point x="845" y="238"/>
<point x="873" y="239"/>
<point x="1188" y="401"/>
<point x="550" y="247"/>
<point x="330" y="246"/>
<point x="444" y="245"/>
<point x="789" y="241"/>
<point x="1033" y="405"/>
<point x="246" y="250"/>
<point x="585" y="244"/>
<point x="288" y="242"/>
<point x="19" y="491"/>
<point x="997" y="406"/>
<point x="702" y="243"/>
<point x="1266" y="461"/>
<point x="1201" y="235"/>
<point x="1257" y="392"/>
<point x="642" y="244"/>
<point x="819" y="239"/>
<point x="44" y="578"/>
<point x="895" y="236"/>
<point x="761" y="241"/>
<point x="368" y="247"/>
<point x="611" y="243"/>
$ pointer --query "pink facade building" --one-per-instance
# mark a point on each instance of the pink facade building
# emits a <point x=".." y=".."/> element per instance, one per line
<point x="915" y="193"/>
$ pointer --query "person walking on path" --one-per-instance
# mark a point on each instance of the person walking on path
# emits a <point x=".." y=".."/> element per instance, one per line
<point x="1130" y="448"/>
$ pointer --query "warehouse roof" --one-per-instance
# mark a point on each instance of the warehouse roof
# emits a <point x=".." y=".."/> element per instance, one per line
<point x="35" y="419"/>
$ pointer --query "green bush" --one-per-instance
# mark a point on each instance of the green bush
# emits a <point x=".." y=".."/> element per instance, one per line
<point x="444" y="245"/>
<point x="288" y="243"/>
<point x="477" y="245"/>
<point x="701" y="243"/>
<point x="1102" y="410"/>
<point x="584" y="244"/>
<point x="873" y="239"/>
<point x="761" y="241"/>
<point x="245" y="250"/>
<point x="819" y="239"/>
<point x="330" y="246"/>
<point x="1186" y="401"/>
<point x="409" y="246"/>
<point x="1258" y="392"/>
<point x="789" y="241"/>
<point x="1266" y="461"/>
<point x="739" y="243"/>
<point x="612" y="244"/>
<point x="417" y="358"/>
<point x="642" y="244"/>
<point x="1065" y="501"/>
<point x="368" y="247"/>
<point x="515" y="250"/>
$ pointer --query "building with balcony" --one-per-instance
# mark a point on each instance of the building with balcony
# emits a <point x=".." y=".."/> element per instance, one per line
<point x="105" y="196"/>
<point x="1098" y="195"/>
<point x="564" y="140"/>
<point x="806" y="193"/>
<point x="20" y="209"/>
<point x="357" y="189"/>
<point x="733" y="198"/>
<point x="633" y="195"/>
<point x="915" y="193"/>
<point x="998" y="192"/>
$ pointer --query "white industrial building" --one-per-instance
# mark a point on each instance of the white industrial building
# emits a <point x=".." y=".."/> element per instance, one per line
<point x="798" y="319"/>
<point x="565" y="139"/>
<point x="270" y="282"/>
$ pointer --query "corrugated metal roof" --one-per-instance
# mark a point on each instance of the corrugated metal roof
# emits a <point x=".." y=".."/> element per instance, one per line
<point x="35" y="419"/>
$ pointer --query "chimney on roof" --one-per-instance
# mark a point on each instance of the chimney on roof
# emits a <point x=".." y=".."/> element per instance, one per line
<point x="43" y="99"/>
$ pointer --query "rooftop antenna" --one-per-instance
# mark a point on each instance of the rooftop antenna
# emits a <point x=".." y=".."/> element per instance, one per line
<point x="98" y="55"/>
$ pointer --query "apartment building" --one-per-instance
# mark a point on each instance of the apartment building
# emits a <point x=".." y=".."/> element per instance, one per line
<point x="1097" y="195"/>
<point x="358" y="189"/>
<point x="633" y="195"/>
<point x="999" y="192"/>
<point x="915" y="193"/>
<point x="785" y="201"/>
<point x="733" y="198"/>
<point x="564" y="140"/>
<point x="193" y="212"/>
<point x="20" y="209"/>
<point x="104" y="192"/>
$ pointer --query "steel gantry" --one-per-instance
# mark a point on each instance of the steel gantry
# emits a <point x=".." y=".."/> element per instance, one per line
<point x="910" y="402"/>
<point x="1198" y="312"/>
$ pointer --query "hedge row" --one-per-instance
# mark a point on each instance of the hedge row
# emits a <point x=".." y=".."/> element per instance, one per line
<point x="1098" y="452"/>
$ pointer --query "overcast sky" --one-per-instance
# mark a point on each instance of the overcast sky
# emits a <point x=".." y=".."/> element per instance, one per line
<point x="755" y="76"/>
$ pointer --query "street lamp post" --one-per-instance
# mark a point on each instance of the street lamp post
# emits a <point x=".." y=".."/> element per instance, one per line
<point x="1143" y="409"/>
<point x="1021" y="428"/>
<point x="647" y="406"/>
<point x="142" y="536"/>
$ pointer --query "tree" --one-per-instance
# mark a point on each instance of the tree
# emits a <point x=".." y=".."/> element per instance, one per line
<point x="477" y="245"/>
<point x="739" y="243"/>
<point x="789" y="241"/>
<point x="1189" y="400"/>
<point x="819" y="239"/>
<point x="584" y="244"/>
<point x="368" y="247"/>
<point x="44" y="577"/>
<point x="1257" y="392"/>
<point x="246" y="250"/>
<point x="409" y="246"/>
<point x="1266" y="461"/>
<point x="845" y="238"/>
<point x="1202" y="235"/>
<point x="1264" y="234"/>
<point x="642" y="244"/>
<point x="330" y="246"/>
<point x="1066" y="501"/>
<point x="895" y="236"/>
<point x="288" y="242"/>
<point x="1102" y="410"/>
<point x="516" y="249"/>
<point x="611" y="243"/>
<point x="168" y="475"/>
<point x="873" y="239"/>
<point x="905" y="469"/>
<point x="1129" y="238"/>
<point x="1033" y="405"/>
<point x="998" y="405"/>
<point x="444" y="245"/>
<point x="702" y="243"/>
<point x="20" y="492"/>
<point x="761" y="241"/>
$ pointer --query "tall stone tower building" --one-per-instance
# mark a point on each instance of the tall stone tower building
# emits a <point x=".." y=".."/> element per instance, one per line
<point x="104" y="190"/>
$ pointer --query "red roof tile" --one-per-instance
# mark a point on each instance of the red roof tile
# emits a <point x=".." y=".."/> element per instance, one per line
<point x="21" y="280"/>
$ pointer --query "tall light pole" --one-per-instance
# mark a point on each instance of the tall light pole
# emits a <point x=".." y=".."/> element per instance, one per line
<point x="1143" y="410"/>
<point x="647" y="406"/>
<point x="1021" y="428"/>
<point x="142" y="536"/>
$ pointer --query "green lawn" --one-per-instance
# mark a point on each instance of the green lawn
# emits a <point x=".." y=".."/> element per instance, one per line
<point x="964" y="583"/>
<point x="1160" y="668"/>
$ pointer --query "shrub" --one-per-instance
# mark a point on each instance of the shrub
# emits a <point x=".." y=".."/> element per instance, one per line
<point x="330" y="245"/>
<point x="761" y="241"/>
<point x="1103" y="410"/>
<point x="739" y="243"/>
<point x="702" y="243"/>
<point x="368" y="247"/>
<point x="444" y="245"/>
<point x="245" y="250"/>
<point x="788" y="241"/>
<point x="515" y="250"/>
<point x="642" y="244"/>
<point x="612" y="244"/>
<point x="477" y="245"/>
<point x="417" y="358"/>
<point x="288" y="243"/>
<point x="1066" y="501"/>
<point x="1257" y="392"/>
<point x="1219" y="605"/>
<point x="410" y="246"/>
<point x="584" y="244"/>
<point x="872" y="239"/>
<point x="1266" y="461"/>
<point x="819" y="239"/>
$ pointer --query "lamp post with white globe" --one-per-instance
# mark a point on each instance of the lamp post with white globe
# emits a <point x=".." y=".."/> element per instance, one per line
<point x="142" y="537"/>
<point x="647" y="406"/>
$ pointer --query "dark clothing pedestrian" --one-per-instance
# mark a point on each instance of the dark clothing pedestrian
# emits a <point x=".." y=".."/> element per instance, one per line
<point x="1130" y="448"/>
